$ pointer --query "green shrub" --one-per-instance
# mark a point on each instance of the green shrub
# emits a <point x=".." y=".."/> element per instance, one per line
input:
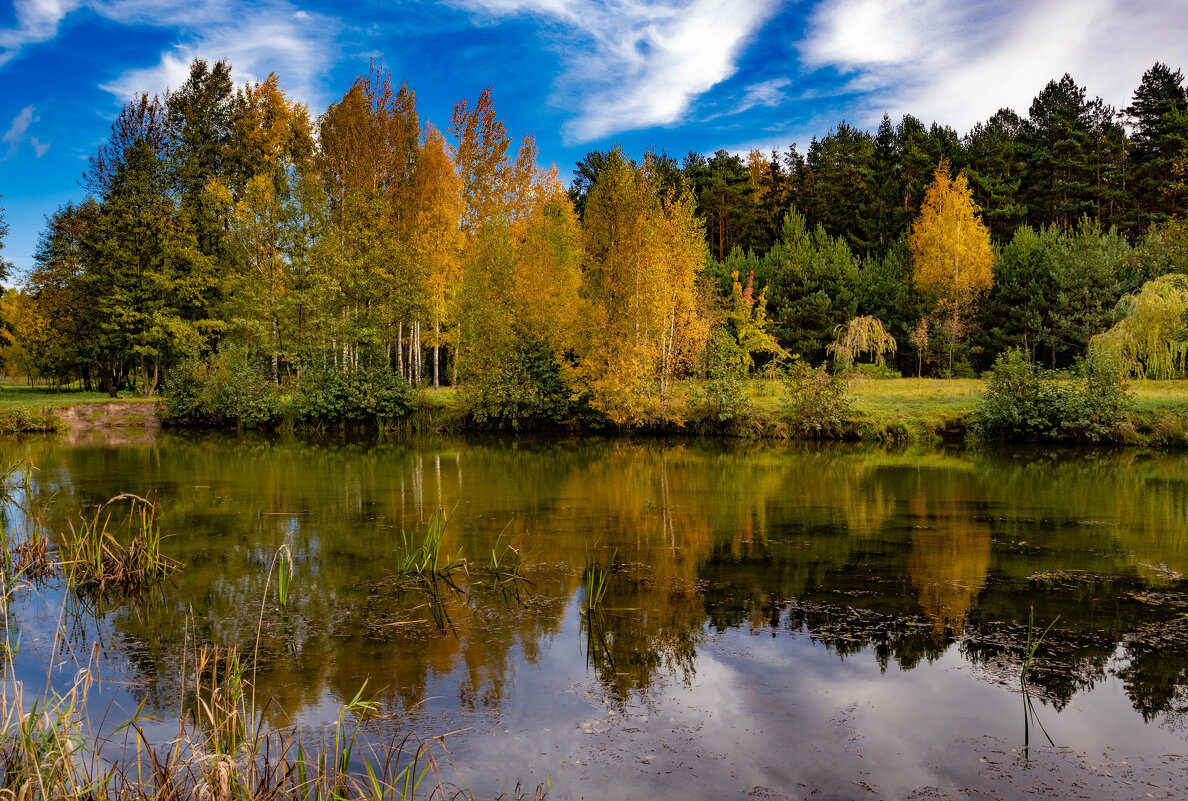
<point x="1025" y="401"/>
<point x="325" y="396"/>
<point x="529" y="391"/>
<point x="720" y="402"/>
<point x="816" y="403"/>
<point x="20" y="421"/>
<point x="229" y="389"/>
<point x="1096" y="405"/>
<point x="880" y="371"/>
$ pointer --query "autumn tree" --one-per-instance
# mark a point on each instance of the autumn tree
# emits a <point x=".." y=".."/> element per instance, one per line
<point x="369" y="143"/>
<point x="746" y="321"/>
<point x="434" y="237"/>
<point x="480" y="152"/>
<point x="548" y="264"/>
<point x="3" y="233"/>
<point x="951" y="252"/>
<point x="919" y="340"/>
<point x="643" y="258"/>
<point x="261" y="214"/>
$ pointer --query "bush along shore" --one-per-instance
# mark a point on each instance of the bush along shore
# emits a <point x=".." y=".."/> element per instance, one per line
<point x="53" y="746"/>
<point x="1016" y="401"/>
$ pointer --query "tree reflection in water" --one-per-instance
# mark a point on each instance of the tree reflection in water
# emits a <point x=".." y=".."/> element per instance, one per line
<point x="895" y="556"/>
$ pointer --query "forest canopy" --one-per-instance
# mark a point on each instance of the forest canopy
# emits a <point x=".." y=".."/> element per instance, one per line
<point x="230" y="228"/>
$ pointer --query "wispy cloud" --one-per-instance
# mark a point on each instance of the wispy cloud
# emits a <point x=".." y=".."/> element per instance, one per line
<point x="36" y="21"/>
<point x="16" y="132"/>
<point x="958" y="62"/>
<point x="257" y="38"/>
<point x="631" y="64"/>
<point x="768" y="94"/>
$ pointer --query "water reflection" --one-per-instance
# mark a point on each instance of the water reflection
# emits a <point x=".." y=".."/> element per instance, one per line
<point x="897" y="555"/>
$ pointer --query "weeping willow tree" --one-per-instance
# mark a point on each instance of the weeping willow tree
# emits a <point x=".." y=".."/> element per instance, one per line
<point x="860" y="336"/>
<point x="1151" y="339"/>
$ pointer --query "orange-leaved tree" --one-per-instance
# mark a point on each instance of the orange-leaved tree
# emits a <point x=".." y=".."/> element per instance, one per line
<point x="643" y="257"/>
<point x="435" y="238"/>
<point x="951" y="251"/>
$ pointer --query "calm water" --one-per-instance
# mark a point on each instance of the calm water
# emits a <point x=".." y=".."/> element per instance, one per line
<point x="784" y="622"/>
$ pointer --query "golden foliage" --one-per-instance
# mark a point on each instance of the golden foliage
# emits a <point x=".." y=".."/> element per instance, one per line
<point x="644" y="324"/>
<point x="434" y="237"/>
<point x="950" y="245"/>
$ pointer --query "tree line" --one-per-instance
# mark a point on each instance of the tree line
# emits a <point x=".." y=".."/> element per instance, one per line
<point x="226" y="225"/>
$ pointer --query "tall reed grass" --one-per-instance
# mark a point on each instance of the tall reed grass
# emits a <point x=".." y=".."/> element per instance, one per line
<point x="425" y="556"/>
<point x="223" y="749"/>
<point x="596" y="579"/>
<point x="99" y="556"/>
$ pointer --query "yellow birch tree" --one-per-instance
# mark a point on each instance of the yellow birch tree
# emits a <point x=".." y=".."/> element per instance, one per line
<point x="644" y="325"/>
<point x="435" y="238"/>
<point x="951" y="251"/>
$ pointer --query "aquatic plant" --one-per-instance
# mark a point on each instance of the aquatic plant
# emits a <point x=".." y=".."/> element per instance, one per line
<point x="96" y="559"/>
<point x="284" y="573"/>
<point x="597" y="579"/>
<point x="1033" y="644"/>
<point x="508" y="562"/>
<point x="426" y="557"/>
<point x="223" y="751"/>
<point x="35" y="554"/>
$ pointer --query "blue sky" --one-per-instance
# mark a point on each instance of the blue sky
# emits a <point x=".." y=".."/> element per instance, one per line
<point x="677" y="75"/>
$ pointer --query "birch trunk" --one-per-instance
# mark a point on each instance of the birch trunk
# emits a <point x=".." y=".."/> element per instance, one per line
<point x="436" y="347"/>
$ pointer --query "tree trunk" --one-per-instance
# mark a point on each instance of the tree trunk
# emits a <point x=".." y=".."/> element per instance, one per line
<point x="457" y="354"/>
<point x="436" y="347"/>
<point x="417" y="350"/>
<point x="151" y="387"/>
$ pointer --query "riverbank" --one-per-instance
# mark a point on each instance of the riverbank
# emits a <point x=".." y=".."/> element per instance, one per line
<point x="884" y="410"/>
<point x="25" y="409"/>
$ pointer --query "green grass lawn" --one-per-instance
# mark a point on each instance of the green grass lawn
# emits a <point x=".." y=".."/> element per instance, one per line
<point x="35" y="399"/>
<point x="883" y="409"/>
<point x="1160" y="395"/>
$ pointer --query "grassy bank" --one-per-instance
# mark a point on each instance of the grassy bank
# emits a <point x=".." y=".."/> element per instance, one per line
<point x="39" y="409"/>
<point x="887" y="410"/>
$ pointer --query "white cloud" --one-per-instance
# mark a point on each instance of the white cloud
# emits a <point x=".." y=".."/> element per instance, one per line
<point x="768" y="94"/>
<point x="632" y="64"/>
<point x="20" y="123"/>
<point x="15" y="134"/>
<point x="36" y="21"/>
<point x="959" y="62"/>
<point x="39" y="148"/>
<point x="257" y="38"/>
